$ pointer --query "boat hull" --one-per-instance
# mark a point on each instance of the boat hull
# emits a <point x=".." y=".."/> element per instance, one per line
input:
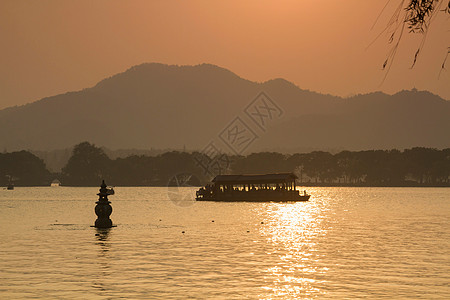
<point x="300" y="198"/>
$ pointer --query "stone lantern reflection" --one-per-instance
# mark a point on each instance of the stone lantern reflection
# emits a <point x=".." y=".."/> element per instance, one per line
<point x="103" y="208"/>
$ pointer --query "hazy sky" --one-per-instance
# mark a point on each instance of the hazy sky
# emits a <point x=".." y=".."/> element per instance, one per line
<point x="51" y="47"/>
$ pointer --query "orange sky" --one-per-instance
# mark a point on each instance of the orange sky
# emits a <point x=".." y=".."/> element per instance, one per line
<point x="51" y="46"/>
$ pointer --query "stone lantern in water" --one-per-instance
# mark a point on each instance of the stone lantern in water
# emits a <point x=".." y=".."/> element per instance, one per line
<point x="103" y="210"/>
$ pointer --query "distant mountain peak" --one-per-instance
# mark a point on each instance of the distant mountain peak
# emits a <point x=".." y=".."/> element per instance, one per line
<point x="418" y="93"/>
<point x="280" y="81"/>
<point x="151" y="71"/>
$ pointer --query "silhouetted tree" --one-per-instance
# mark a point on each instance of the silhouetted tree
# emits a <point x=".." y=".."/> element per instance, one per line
<point x="321" y="166"/>
<point x="87" y="166"/>
<point x="296" y="163"/>
<point x="350" y="166"/>
<point x="263" y="162"/>
<point x="24" y="168"/>
<point x="135" y="171"/>
<point x="426" y="166"/>
<point x="384" y="167"/>
<point x="420" y="162"/>
<point x="445" y="173"/>
<point x="170" y="164"/>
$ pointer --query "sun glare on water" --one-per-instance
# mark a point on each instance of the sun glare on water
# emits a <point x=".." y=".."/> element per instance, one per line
<point x="293" y="232"/>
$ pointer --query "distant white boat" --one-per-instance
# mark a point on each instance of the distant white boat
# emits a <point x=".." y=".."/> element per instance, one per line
<point x="55" y="183"/>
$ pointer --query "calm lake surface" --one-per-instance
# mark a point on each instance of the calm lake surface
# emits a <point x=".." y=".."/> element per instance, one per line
<point x="343" y="243"/>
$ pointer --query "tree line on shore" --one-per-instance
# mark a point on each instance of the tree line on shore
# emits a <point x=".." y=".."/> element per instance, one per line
<point x="89" y="164"/>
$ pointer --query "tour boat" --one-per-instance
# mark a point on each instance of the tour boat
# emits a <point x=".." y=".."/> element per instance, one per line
<point x="278" y="187"/>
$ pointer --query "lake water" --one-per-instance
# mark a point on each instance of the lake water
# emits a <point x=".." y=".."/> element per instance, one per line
<point x="343" y="243"/>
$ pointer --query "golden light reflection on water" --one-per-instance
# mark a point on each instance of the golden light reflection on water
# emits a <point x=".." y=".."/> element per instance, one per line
<point x="293" y="232"/>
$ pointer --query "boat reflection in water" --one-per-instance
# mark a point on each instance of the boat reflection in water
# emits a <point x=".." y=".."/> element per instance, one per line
<point x="278" y="187"/>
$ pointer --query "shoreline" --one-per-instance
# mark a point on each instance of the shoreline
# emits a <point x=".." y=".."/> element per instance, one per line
<point x="298" y="185"/>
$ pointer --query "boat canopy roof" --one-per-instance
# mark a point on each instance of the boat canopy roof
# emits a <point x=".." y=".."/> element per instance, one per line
<point x="265" y="178"/>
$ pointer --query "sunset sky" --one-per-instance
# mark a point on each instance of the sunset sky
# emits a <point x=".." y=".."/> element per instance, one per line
<point x="51" y="47"/>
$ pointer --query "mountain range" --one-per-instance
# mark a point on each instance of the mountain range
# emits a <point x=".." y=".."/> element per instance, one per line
<point x="168" y="106"/>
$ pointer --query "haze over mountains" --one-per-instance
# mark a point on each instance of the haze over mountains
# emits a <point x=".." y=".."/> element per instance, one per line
<point x="166" y="106"/>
